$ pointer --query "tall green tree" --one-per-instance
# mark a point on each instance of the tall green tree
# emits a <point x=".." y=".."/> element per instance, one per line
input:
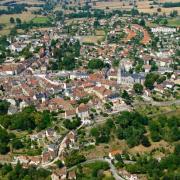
<point x="138" y="88"/>
<point x="12" y="21"/>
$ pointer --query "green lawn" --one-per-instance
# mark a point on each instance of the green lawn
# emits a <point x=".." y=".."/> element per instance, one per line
<point x="174" y="22"/>
<point x="40" y="20"/>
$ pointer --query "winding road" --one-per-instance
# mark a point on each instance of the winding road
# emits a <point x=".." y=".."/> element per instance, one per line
<point x="112" y="167"/>
<point x="62" y="146"/>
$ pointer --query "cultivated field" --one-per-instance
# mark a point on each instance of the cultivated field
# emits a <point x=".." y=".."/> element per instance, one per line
<point x="25" y="16"/>
<point x="112" y="5"/>
<point x="92" y="39"/>
<point x="4" y="19"/>
<point x="143" y="6"/>
<point x="174" y="22"/>
<point x="163" y="10"/>
<point x="40" y="20"/>
<point x="23" y="1"/>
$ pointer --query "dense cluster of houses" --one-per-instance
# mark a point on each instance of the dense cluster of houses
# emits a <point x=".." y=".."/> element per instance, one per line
<point x="72" y="94"/>
<point x="50" y="151"/>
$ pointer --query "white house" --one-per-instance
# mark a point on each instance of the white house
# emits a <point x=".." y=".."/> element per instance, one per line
<point x="82" y="112"/>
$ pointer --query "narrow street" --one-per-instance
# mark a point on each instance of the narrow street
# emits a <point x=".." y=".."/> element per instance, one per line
<point x="61" y="148"/>
<point x="112" y="167"/>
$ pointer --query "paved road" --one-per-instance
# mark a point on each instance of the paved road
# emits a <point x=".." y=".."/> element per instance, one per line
<point x="112" y="167"/>
<point x="2" y="126"/>
<point x="62" y="146"/>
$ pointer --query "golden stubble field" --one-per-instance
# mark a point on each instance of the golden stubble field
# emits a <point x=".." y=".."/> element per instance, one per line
<point x="143" y="6"/>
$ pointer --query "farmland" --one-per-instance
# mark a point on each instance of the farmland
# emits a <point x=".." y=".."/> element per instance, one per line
<point x="25" y="16"/>
<point x="40" y="20"/>
<point x="174" y="22"/>
<point x="92" y="39"/>
<point x="4" y="19"/>
<point x="143" y="6"/>
<point x="23" y="1"/>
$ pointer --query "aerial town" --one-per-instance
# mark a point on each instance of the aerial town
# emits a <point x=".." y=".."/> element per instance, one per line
<point x="89" y="90"/>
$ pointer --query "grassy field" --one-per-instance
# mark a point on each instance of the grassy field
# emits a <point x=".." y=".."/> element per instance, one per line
<point x="112" y="5"/>
<point x="142" y="6"/>
<point x="174" y="22"/>
<point x="25" y="16"/>
<point x="163" y="10"/>
<point x="40" y="20"/>
<point x="156" y="111"/>
<point x="92" y="39"/>
<point x="100" y="33"/>
<point x="4" y="19"/>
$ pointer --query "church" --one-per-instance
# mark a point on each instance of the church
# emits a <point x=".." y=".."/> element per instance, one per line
<point x="124" y="77"/>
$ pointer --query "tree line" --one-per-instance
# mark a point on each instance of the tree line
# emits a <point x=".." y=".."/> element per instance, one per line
<point x="133" y="127"/>
<point x="166" y="168"/>
<point x="29" y="119"/>
<point x="20" y="173"/>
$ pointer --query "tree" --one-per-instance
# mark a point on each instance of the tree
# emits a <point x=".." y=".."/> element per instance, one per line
<point x="12" y="21"/>
<point x="158" y="9"/>
<point x="95" y="64"/>
<point x="101" y="134"/>
<point x="154" y="66"/>
<point x="115" y="63"/>
<point x="4" y="136"/>
<point x="74" y="158"/>
<point x="134" y="12"/>
<point x="13" y="32"/>
<point x="18" y="20"/>
<point x="96" y="23"/>
<point x="177" y="149"/>
<point x="26" y="53"/>
<point x="145" y="141"/>
<point x="17" y="144"/>
<point x="150" y="80"/>
<point x="138" y="88"/>
<point x="4" y="106"/>
<point x="73" y="124"/>
<point x="155" y="129"/>
<point x="4" y="149"/>
<point x="130" y="126"/>
<point x="53" y="42"/>
<point x="165" y="22"/>
<point x="174" y="13"/>
<point x="142" y="22"/>
<point x="59" y="163"/>
<point x="161" y="79"/>
<point x="1" y="26"/>
<point x="126" y="97"/>
<point x="6" y="169"/>
<point x="120" y="160"/>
